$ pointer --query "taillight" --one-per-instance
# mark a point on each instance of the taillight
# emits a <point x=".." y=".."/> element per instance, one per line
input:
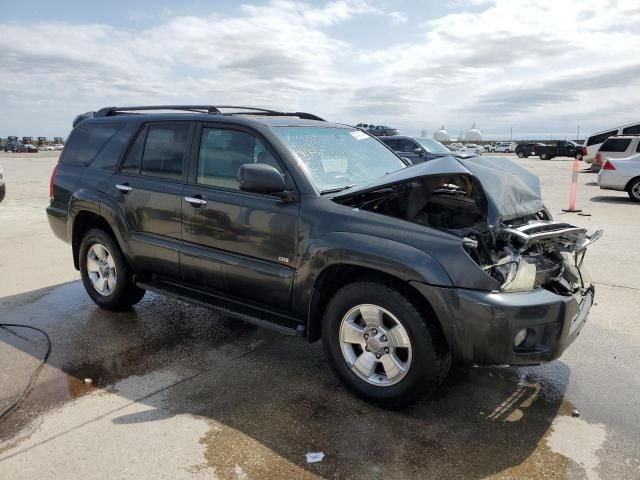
<point x="53" y="174"/>
<point x="584" y="151"/>
<point x="608" y="166"/>
<point x="598" y="158"/>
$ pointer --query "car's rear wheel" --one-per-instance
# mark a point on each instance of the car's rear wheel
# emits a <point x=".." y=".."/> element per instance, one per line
<point x="105" y="273"/>
<point x="520" y="154"/>
<point x="634" y="190"/>
<point x="578" y="156"/>
<point x="380" y="345"/>
<point x="544" y="156"/>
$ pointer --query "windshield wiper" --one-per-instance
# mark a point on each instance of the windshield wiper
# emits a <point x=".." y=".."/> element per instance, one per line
<point x="337" y="189"/>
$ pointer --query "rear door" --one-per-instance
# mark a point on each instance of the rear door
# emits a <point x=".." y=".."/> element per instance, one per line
<point x="237" y="243"/>
<point x="148" y="189"/>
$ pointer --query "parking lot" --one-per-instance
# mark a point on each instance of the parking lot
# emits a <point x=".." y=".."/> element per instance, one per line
<point x="177" y="391"/>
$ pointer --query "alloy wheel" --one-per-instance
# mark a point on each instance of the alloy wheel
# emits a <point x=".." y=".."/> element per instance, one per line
<point x="101" y="269"/>
<point x="375" y="345"/>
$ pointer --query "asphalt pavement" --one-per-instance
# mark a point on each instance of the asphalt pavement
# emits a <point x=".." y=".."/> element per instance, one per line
<point x="169" y="390"/>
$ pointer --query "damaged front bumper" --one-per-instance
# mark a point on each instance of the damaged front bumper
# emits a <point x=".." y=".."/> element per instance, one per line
<point x="482" y="326"/>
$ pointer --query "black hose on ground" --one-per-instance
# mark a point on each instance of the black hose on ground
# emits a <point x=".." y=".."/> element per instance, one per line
<point x="32" y="381"/>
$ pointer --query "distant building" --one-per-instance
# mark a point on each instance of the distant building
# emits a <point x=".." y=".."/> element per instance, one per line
<point x="473" y="134"/>
<point x="441" y="135"/>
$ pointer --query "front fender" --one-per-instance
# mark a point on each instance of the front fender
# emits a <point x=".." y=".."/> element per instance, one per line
<point x="402" y="261"/>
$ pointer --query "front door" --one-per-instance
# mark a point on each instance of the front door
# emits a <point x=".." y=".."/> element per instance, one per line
<point x="148" y="188"/>
<point x="238" y="243"/>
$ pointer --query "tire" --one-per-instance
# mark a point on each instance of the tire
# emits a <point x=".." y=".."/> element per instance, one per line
<point x="421" y="366"/>
<point x="578" y="156"/>
<point x="634" y="190"/>
<point x="543" y="156"/>
<point x="507" y="151"/>
<point x="108" y="269"/>
<point x="3" y="192"/>
<point x="520" y="154"/>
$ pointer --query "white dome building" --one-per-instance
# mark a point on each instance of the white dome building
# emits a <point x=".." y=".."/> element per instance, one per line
<point x="473" y="134"/>
<point x="441" y="135"/>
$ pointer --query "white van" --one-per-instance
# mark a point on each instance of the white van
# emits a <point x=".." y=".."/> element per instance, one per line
<point x="504" y="147"/>
<point x="595" y="140"/>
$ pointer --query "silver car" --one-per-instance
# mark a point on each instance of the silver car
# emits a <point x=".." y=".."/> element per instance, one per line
<point x="622" y="174"/>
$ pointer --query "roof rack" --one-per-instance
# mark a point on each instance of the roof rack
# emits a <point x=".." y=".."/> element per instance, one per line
<point x="207" y="109"/>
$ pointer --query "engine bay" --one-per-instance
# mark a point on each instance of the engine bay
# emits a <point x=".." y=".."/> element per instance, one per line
<point x="521" y="254"/>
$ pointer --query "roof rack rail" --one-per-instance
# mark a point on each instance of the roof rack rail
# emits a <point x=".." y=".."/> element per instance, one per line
<point x="207" y="109"/>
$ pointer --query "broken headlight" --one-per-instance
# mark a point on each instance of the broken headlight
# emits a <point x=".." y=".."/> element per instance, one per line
<point x="515" y="274"/>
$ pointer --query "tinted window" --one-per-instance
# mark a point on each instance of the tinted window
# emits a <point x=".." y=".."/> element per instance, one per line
<point x="615" y="145"/>
<point x="633" y="130"/>
<point x="222" y="152"/>
<point x="594" y="140"/>
<point x="638" y="147"/>
<point x="406" y="146"/>
<point x="86" y="141"/>
<point x="164" y="149"/>
<point x="392" y="144"/>
<point x="134" y="157"/>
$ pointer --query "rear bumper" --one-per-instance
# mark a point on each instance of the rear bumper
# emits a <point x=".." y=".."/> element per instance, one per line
<point x="58" y="222"/>
<point x="611" y="180"/>
<point x="480" y="327"/>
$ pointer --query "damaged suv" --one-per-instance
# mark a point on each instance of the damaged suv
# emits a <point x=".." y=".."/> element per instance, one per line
<point x="319" y="230"/>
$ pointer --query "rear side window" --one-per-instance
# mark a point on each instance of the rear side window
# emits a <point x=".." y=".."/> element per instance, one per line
<point x="594" y="140"/>
<point x="134" y="157"/>
<point x="87" y="141"/>
<point x="638" y="147"/>
<point x="633" y="130"/>
<point x="164" y="151"/>
<point x="615" y="145"/>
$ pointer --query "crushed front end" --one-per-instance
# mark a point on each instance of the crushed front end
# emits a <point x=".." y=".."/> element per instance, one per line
<point x="533" y="294"/>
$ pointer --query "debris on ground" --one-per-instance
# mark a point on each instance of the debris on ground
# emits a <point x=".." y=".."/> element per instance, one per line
<point x="314" y="457"/>
<point x="575" y="413"/>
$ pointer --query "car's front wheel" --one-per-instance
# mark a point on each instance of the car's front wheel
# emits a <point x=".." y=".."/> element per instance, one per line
<point x="520" y="154"/>
<point x="634" y="190"/>
<point x="578" y="156"/>
<point x="105" y="273"/>
<point x="381" y="346"/>
<point x="544" y="156"/>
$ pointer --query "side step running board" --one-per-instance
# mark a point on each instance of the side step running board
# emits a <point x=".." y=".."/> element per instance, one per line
<point x="272" y="321"/>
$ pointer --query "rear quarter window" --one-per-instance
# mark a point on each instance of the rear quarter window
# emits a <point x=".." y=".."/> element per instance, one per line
<point x="615" y="145"/>
<point x="633" y="130"/>
<point x="87" y="141"/>
<point x="595" y="139"/>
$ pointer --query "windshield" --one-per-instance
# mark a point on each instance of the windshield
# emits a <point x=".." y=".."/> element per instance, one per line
<point x="336" y="158"/>
<point x="431" y="146"/>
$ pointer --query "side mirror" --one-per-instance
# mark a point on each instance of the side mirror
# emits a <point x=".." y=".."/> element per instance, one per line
<point x="408" y="160"/>
<point x="418" y="151"/>
<point x="260" y="178"/>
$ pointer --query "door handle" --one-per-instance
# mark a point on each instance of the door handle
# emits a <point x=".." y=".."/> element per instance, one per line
<point x="124" y="187"/>
<point x="195" y="201"/>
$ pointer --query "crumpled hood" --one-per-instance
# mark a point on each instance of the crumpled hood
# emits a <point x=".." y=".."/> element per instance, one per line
<point x="511" y="190"/>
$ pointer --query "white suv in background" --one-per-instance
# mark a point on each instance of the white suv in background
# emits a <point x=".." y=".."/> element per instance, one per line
<point x="504" y="147"/>
<point x="616" y="147"/>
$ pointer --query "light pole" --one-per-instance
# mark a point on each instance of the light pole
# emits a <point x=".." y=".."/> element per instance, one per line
<point x="578" y="135"/>
<point x="511" y="134"/>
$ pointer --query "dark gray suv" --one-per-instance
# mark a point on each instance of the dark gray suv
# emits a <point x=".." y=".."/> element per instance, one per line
<point x="317" y="229"/>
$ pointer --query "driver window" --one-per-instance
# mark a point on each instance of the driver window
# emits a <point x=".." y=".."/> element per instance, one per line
<point x="222" y="152"/>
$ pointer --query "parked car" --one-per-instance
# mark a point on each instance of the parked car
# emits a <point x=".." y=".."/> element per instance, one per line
<point x="454" y="147"/>
<point x="528" y="149"/>
<point x="503" y="147"/>
<point x="383" y="131"/>
<point x="616" y="147"/>
<point x="365" y="126"/>
<point x="3" y="188"/>
<point x="318" y="230"/>
<point x="47" y="148"/>
<point x="472" y="148"/>
<point x="30" y="148"/>
<point x="58" y="146"/>
<point x="595" y="140"/>
<point x="622" y="174"/>
<point x="562" y="148"/>
<point x="419" y="149"/>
